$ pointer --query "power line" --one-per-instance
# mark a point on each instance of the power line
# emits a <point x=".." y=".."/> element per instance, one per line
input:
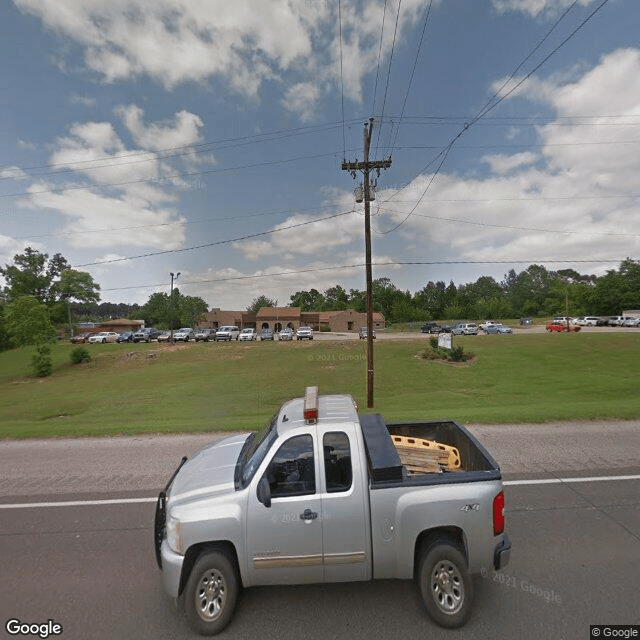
<point x="361" y="265"/>
<point x="447" y="149"/>
<point x="213" y="244"/>
<point x="413" y="70"/>
<point x="134" y="157"/>
<point x="173" y="176"/>
<point x="393" y="46"/>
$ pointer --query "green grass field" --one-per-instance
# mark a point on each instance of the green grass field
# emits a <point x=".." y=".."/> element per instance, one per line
<point x="151" y="388"/>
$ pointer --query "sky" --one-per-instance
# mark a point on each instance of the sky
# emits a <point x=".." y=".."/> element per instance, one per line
<point x="140" y="138"/>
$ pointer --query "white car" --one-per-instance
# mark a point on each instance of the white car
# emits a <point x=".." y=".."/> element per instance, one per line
<point x="104" y="336"/>
<point x="183" y="335"/>
<point x="304" y="333"/>
<point x="285" y="334"/>
<point x="247" y="335"/>
<point x="227" y="333"/>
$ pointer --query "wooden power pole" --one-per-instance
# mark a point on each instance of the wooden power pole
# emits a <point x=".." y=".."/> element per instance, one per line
<point x="365" y="167"/>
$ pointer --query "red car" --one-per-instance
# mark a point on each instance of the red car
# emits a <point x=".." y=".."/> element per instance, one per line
<point x="562" y="326"/>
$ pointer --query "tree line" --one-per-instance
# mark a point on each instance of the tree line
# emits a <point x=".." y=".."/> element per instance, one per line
<point x="44" y="294"/>
<point x="533" y="292"/>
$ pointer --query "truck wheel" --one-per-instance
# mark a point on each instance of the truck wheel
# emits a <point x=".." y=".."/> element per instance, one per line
<point x="445" y="585"/>
<point x="210" y="593"/>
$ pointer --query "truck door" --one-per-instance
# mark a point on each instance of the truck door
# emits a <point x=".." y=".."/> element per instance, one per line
<point x="345" y="513"/>
<point x="284" y="541"/>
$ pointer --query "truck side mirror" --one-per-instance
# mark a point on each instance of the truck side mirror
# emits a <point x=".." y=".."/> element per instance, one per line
<point x="264" y="492"/>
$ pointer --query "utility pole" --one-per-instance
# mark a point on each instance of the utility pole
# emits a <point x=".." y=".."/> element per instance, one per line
<point x="365" y="167"/>
<point x="176" y="276"/>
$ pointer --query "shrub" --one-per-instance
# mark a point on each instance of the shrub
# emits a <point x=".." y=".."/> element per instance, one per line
<point x="41" y="363"/>
<point x="433" y="341"/>
<point x="80" y="354"/>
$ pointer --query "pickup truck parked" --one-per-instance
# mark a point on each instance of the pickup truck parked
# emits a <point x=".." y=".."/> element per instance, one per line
<point x="322" y="494"/>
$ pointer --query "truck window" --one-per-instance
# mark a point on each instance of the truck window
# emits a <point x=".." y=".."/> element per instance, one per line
<point x="337" y="461"/>
<point x="292" y="471"/>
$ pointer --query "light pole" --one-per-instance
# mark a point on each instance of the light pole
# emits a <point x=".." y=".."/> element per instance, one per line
<point x="176" y="276"/>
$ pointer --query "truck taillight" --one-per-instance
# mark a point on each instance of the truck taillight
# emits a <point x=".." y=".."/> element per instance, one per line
<point x="310" y="411"/>
<point x="498" y="514"/>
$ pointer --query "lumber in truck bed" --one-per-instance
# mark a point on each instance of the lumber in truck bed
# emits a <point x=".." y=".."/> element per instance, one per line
<point x="402" y="462"/>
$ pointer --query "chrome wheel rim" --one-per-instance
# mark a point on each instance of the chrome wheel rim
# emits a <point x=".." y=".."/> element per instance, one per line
<point x="211" y="595"/>
<point x="447" y="587"/>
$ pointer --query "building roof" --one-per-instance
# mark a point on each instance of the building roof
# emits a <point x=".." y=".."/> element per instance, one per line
<point x="279" y="312"/>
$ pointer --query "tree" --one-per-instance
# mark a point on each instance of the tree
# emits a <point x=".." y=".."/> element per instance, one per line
<point x="335" y="298"/>
<point x="50" y="281"/>
<point x="27" y="321"/>
<point x="311" y="300"/>
<point x="190" y="309"/>
<point x="174" y="312"/>
<point x="259" y="302"/>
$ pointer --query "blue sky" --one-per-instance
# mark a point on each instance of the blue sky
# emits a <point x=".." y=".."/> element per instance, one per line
<point x="140" y="138"/>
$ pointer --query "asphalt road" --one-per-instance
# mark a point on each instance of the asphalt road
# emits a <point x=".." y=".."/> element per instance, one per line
<point x="91" y="567"/>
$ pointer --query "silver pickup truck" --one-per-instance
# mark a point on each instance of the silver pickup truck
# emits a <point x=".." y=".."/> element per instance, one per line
<point x="322" y="494"/>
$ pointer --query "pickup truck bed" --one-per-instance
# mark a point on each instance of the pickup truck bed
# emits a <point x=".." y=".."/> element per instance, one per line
<point x="385" y="465"/>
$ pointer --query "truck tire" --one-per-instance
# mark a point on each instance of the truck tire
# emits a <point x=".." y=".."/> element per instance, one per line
<point x="210" y="593"/>
<point x="445" y="585"/>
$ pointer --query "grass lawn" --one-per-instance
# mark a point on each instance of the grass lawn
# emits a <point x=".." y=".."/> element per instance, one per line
<point x="152" y="388"/>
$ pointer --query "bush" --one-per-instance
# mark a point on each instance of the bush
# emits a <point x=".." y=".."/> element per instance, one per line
<point x="80" y="354"/>
<point x="41" y="363"/>
<point x="434" y="352"/>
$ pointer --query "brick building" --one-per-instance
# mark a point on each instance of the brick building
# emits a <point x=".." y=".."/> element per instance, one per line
<point x="277" y="318"/>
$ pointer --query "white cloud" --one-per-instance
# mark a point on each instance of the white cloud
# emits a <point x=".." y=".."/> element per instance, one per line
<point x="302" y="98"/>
<point x="310" y="239"/>
<point x="244" y="43"/>
<point x="184" y="131"/>
<point x="12" y="173"/>
<point x="536" y="7"/>
<point x="577" y="202"/>
<point x="120" y="187"/>
<point x="504" y="164"/>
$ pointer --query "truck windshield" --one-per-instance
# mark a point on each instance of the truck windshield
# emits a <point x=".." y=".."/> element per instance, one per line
<point x="256" y="451"/>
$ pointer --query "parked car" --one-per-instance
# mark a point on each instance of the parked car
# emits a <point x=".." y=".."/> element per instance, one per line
<point x="80" y="338"/>
<point x="267" y="334"/>
<point x="504" y="329"/>
<point x="491" y="328"/>
<point x="126" y="336"/>
<point x="431" y="327"/>
<point x="103" y="336"/>
<point x="165" y="336"/>
<point x="227" y="333"/>
<point x="466" y="329"/>
<point x="364" y="333"/>
<point x="614" y="321"/>
<point x="304" y="333"/>
<point x="183" y="335"/>
<point x="487" y="323"/>
<point x="203" y="335"/>
<point x="247" y="335"/>
<point x="146" y="335"/>
<point x="557" y="327"/>
<point x="286" y="334"/>
<point x="526" y="322"/>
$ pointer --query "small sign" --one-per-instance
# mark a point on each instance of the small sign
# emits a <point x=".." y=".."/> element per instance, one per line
<point x="444" y="340"/>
